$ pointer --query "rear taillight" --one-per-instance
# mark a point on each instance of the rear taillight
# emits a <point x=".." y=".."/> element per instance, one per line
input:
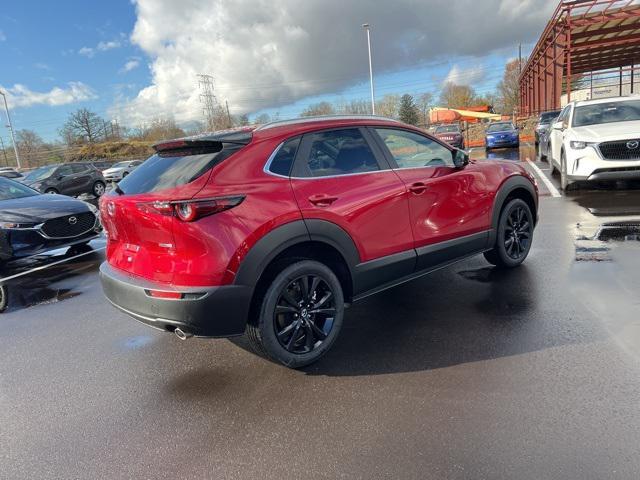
<point x="191" y="210"/>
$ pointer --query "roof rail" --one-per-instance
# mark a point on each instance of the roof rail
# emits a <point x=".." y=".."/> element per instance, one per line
<point x="322" y="118"/>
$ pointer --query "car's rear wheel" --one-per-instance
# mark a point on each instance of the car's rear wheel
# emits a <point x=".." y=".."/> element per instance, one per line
<point x="514" y="235"/>
<point x="300" y="315"/>
<point x="99" y="189"/>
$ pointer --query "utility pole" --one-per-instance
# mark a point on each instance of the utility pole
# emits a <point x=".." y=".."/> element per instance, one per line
<point x="226" y="102"/>
<point x="10" y="127"/>
<point x="207" y="99"/>
<point x="520" y="58"/>
<point x="366" y="26"/>
<point x="4" y="152"/>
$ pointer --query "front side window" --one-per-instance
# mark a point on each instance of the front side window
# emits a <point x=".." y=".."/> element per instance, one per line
<point x="609" y="112"/>
<point x="411" y="150"/>
<point x="40" y="174"/>
<point x="64" y="171"/>
<point x="79" y="168"/>
<point x="339" y="152"/>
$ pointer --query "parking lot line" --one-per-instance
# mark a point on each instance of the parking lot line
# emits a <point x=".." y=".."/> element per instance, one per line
<point x="42" y="267"/>
<point x="550" y="186"/>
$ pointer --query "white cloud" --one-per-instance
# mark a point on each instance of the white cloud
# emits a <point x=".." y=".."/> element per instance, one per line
<point x="132" y="64"/>
<point x="268" y="53"/>
<point x="3" y="37"/>
<point x="466" y="76"/>
<point x="87" y="52"/>
<point x="21" y="96"/>
<point x="104" y="46"/>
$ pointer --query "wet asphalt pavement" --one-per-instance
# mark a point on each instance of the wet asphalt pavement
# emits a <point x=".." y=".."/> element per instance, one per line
<point x="470" y="373"/>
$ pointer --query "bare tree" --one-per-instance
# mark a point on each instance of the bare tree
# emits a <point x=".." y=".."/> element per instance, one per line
<point x="424" y="104"/>
<point x="262" y="119"/>
<point x="457" y="96"/>
<point x="509" y="89"/>
<point x="316" y="109"/>
<point x="388" y="106"/>
<point x="30" y="145"/>
<point x="161" y="128"/>
<point x="82" y="126"/>
<point x="355" y="107"/>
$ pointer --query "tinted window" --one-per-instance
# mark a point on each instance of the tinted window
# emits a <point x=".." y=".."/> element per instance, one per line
<point x="339" y="152"/>
<point x="609" y="112"/>
<point x="40" y="174"/>
<point x="137" y="163"/>
<point x="171" y="169"/>
<point x="283" y="160"/>
<point x="411" y="150"/>
<point x="64" y="170"/>
<point x="500" y="127"/>
<point x="10" y="190"/>
<point x="79" y="168"/>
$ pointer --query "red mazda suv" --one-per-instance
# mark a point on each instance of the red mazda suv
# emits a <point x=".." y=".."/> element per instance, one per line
<point x="272" y="231"/>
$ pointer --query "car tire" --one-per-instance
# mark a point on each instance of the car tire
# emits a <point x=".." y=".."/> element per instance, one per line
<point x="124" y="174"/>
<point x="4" y="298"/>
<point x="514" y="235"/>
<point x="565" y="184"/>
<point x="51" y="191"/>
<point x="286" y="329"/>
<point x="98" y="189"/>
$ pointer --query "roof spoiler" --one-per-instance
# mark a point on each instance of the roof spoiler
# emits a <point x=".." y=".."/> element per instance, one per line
<point x="215" y="140"/>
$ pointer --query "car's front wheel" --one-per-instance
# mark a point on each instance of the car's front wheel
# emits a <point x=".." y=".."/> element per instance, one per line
<point x="99" y="189"/>
<point x="51" y="191"/>
<point x="300" y="315"/>
<point x="514" y="235"/>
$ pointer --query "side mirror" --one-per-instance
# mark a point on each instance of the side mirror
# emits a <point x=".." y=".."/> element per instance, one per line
<point x="60" y="177"/>
<point x="558" y="126"/>
<point x="460" y="158"/>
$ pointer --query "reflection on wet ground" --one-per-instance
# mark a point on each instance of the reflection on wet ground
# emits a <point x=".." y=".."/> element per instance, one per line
<point x="52" y="276"/>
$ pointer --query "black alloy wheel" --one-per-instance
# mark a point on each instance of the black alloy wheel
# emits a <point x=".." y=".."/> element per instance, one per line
<point x="518" y="232"/>
<point x="304" y="314"/>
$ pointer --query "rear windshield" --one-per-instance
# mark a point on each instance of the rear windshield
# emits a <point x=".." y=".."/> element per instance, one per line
<point x="609" y="112"/>
<point x="172" y="169"/>
<point x="548" y="116"/>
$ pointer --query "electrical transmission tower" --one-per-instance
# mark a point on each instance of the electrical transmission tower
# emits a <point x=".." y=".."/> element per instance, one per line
<point x="208" y="99"/>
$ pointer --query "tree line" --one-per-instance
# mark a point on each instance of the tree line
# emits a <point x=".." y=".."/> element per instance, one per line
<point x="85" y="127"/>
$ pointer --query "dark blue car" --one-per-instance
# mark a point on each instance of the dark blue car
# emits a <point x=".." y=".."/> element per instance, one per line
<point x="502" y="135"/>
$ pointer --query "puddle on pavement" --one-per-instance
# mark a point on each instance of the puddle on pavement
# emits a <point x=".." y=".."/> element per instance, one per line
<point x="51" y="277"/>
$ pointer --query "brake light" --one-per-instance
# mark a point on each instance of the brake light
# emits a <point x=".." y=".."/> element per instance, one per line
<point x="191" y="210"/>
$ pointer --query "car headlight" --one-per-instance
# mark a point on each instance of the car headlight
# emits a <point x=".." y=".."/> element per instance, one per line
<point x="489" y="137"/>
<point x="578" y="145"/>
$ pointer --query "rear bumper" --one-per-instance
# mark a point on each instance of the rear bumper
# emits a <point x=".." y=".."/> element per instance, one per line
<point x="214" y="311"/>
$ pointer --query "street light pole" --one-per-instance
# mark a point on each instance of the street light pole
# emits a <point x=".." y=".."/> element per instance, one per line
<point x="373" y="95"/>
<point x="13" y="138"/>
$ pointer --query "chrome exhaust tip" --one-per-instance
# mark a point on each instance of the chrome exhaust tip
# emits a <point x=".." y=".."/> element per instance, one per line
<point x="181" y="334"/>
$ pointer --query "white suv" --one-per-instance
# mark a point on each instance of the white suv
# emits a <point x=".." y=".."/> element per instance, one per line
<point x="597" y="140"/>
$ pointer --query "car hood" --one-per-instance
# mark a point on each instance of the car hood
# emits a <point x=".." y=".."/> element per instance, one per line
<point x="608" y="131"/>
<point x="113" y="170"/>
<point x="502" y="132"/>
<point x="40" y="208"/>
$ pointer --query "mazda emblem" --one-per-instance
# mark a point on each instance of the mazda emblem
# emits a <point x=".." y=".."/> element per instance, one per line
<point x="633" y="144"/>
<point x="73" y="220"/>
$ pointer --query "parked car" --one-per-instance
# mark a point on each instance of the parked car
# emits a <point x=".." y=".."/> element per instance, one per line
<point x="274" y="231"/>
<point x="452" y="134"/>
<point x="102" y="165"/>
<point x="9" y="172"/>
<point x="597" y="140"/>
<point x="31" y="222"/>
<point x="120" y="170"/>
<point x="544" y="124"/>
<point x="67" y="179"/>
<point x="502" y="135"/>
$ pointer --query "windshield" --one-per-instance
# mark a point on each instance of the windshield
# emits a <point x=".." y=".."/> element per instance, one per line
<point x="548" y="117"/>
<point x="448" y="129"/>
<point x="500" y="127"/>
<point x="120" y="164"/>
<point x="40" y="174"/>
<point x="10" y="190"/>
<point x="610" y="112"/>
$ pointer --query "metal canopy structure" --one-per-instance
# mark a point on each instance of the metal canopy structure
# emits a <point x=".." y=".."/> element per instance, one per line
<point x="582" y="37"/>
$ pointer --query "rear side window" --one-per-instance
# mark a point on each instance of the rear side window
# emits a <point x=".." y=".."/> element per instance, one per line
<point x="174" y="168"/>
<point x="338" y="152"/>
<point x="79" y="168"/>
<point x="283" y="160"/>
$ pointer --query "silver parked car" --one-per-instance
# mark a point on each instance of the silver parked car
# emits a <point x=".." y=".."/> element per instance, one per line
<point x="120" y="170"/>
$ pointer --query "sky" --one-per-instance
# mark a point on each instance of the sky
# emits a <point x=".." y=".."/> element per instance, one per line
<point x="138" y="60"/>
